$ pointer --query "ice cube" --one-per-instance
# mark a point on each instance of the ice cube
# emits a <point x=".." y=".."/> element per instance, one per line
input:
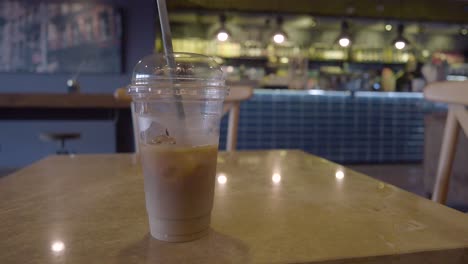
<point x="157" y="134"/>
<point x="163" y="140"/>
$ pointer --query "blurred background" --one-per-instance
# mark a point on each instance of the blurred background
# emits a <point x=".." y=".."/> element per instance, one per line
<point x="338" y="79"/>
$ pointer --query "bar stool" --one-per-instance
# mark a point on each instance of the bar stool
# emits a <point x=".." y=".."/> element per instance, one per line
<point x="61" y="138"/>
<point x="455" y="94"/>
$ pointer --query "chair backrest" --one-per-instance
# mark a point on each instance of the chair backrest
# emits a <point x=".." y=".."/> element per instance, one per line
<point x="236" y="95"/>
<point x="448" y="92"/>
<point x="455" y="94"/>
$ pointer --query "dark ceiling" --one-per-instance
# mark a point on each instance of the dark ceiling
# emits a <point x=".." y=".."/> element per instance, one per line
<point x="454" y="11"/>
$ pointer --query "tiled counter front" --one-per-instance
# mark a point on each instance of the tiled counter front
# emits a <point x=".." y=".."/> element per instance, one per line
<point x="369" y="127"/>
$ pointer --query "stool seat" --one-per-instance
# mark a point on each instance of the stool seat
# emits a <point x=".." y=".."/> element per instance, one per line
<point x="61" y="138"/>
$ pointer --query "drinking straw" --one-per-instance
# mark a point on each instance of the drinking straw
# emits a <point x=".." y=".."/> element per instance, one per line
<point x="168" y="50"/>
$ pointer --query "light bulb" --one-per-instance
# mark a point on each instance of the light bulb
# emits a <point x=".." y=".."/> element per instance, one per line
<point x="388" y="27"/>
<point x="278" y="38"/>
<point x="344" y="42"/>
<point x="400" y="44"/>
<point x="222" y="36"/>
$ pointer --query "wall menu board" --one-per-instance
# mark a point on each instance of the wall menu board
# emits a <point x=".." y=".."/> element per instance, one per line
<point x="42" y="37"/>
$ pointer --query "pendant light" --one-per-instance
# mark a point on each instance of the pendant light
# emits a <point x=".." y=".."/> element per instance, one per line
<point x="279" y="35"/>
<point x="388" y="27"/>
<point x="222" y="34"/>
<point x="400" y="42"/>
<point x="344" y="39"/>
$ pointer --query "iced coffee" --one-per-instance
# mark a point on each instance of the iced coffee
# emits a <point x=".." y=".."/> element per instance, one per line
<point x="179" y="186"/>
<point x="177" y="113"/>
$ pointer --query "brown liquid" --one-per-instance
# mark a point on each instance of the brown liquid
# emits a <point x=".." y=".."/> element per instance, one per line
<point x="179" y="181"/>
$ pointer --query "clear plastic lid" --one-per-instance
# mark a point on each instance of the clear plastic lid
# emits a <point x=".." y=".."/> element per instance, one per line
<point x="177" y="74"/>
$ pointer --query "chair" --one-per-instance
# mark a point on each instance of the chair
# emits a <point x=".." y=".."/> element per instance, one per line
<point x="237" y="94"/>
<point x="455" y="94"/>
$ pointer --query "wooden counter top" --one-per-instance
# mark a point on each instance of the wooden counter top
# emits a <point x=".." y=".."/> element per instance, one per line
<point x="54" y="100"/>
<point x="271" y="207"/>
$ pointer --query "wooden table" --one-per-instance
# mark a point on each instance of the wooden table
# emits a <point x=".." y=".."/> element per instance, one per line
<point x="77" y="106"/>
<point x="274" y="207"/>
<point x="60" y="100"/>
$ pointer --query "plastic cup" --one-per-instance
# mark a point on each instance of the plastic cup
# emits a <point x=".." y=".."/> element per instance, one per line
<point x="178" y="111"/>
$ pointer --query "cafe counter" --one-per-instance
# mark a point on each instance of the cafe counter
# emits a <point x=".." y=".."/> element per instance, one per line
<point x="359" y="127"/>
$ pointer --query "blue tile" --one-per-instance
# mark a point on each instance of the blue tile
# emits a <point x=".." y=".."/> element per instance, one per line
<point x="344" y="129"/>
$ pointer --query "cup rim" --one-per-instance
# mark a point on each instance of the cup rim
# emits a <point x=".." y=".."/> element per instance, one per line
<point x="154" y="75"/>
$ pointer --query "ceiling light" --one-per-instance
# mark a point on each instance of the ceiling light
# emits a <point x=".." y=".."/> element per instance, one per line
<point x="400" y="42"/>
<point x="400" y="45"/>
<point x="222" y="34"/>
<point x="279" y="36"/>
<point x="344" y="42"/>
<point x="344" y="39"/>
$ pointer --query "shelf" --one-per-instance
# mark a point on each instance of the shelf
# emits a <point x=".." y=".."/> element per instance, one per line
<point x="251" y="61"/>
<point x="263" y="62"/>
